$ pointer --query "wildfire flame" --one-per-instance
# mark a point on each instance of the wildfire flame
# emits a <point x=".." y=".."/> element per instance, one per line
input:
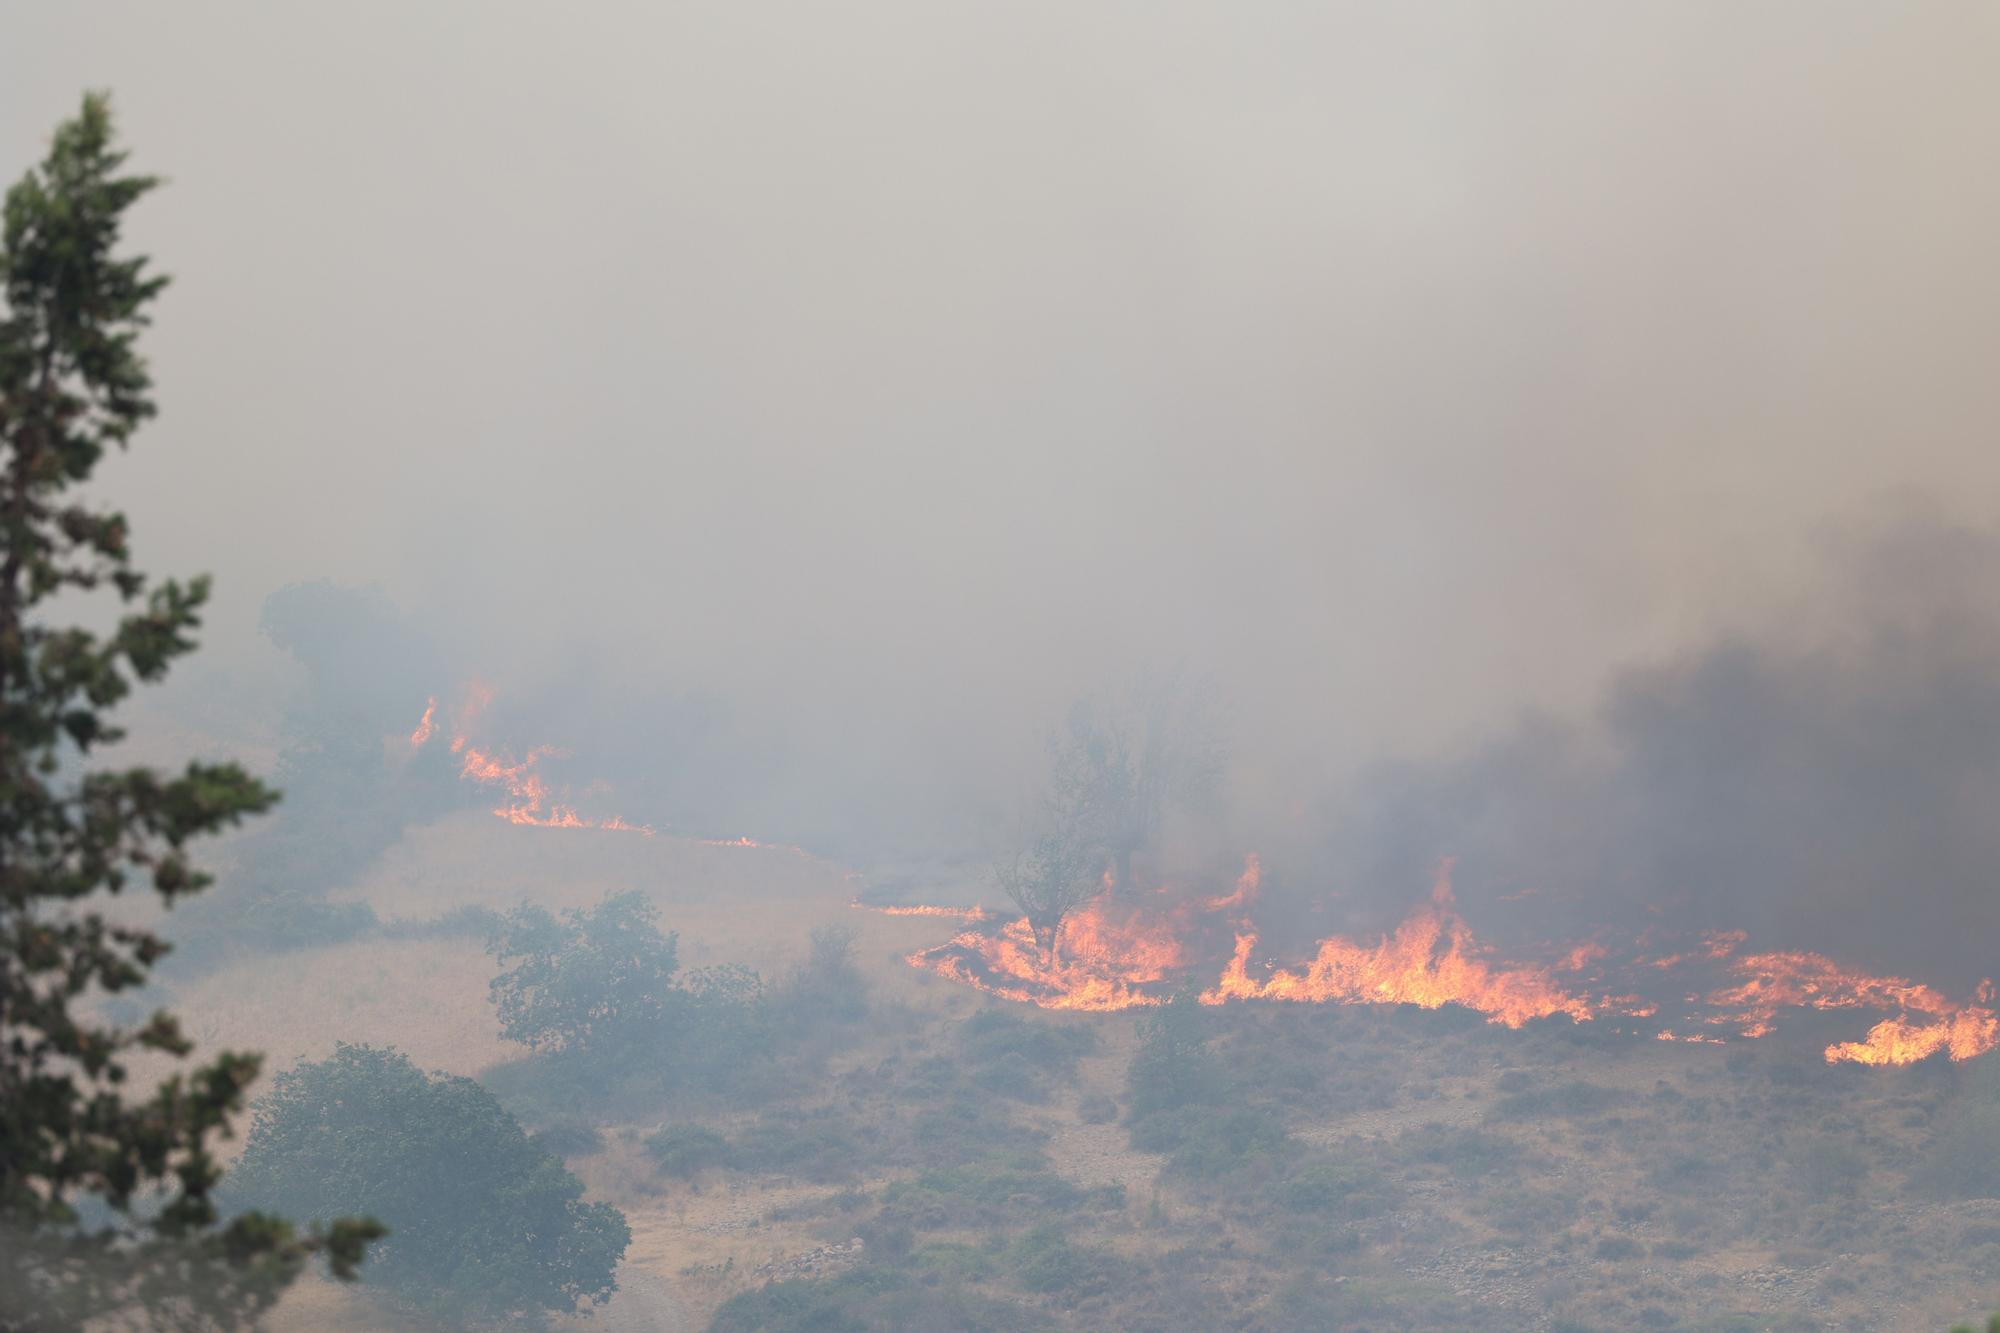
<point x="427" y="726"/>
<point x="1118" y="953"/>
<point x="528" y="797"/>
<point x="925" y="909"/>
<point x="1429" y="961"/>
<point x="1773" y="981"/>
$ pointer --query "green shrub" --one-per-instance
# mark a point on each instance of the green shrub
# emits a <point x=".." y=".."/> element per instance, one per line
<point x="1963" y="1162"/>
<point x="1827" y="1167"/>
<point x="1618" y="1248"/>
<point x="1569" y="1099"/>
<point x="869" y="1298"/>
<point x="570" y="1136"/>
<point x="685" y="1150"/>
<point x="1205" y="1144"/>
<point x="482" y="1220"/>
<point x="1465" y="1152"/>
<point x="1685" y="1172"/>
<point x="991" y="1196"/>
<point x="1096" y="1109"/>
<point x="820" y="1146"/>
<point x="1174" y="1067"/>
<point x="1047" y="1260"/>
<point x="1523" y="1210"/>
<point x="1333" y="1188"/>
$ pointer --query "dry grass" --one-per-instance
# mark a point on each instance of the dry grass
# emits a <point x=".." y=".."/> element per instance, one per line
<point x="695" y="1243"/>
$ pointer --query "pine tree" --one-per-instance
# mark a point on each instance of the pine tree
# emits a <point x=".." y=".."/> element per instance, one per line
<point x="72" y="385"/>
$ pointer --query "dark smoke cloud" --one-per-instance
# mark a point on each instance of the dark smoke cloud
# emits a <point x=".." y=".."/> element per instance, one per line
<point x="1828" y="779"/>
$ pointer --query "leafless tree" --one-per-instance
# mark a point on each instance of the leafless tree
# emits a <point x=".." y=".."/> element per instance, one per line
<point x="1123" y="762"/>
<point x="1048" y="871"/>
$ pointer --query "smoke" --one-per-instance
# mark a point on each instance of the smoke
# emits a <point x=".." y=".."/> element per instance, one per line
<point x="791" y="413"/>
<point x="1824" y="780"/>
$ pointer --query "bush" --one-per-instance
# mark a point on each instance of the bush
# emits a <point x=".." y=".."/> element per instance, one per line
<point x="1046" y="1260"/>
<point x="1563" y="1099"/>
<point x="482" y="1220"/>
<point x="818" y="1146"/>
<point x="991" y="1196"/>
<point x="870" y="1298"/>
<point x="1465" y="1152"/>
<point x="1963" y="1162"/>
<point x="570" y="1136"/>
<point x="1830" y="1168"/>
<point x="1095" y="1108"/>
<point x="1514" y="1211"/>
<point x="685" y="1150"/>
<point x="827" y="988"/>
<point x="1203" y="1144"/>
<point x="1618" y="1248"/>
<point x="1333" y="1188"/>
<point x="597" y="995"/>
<point x="1174" y="1067"/>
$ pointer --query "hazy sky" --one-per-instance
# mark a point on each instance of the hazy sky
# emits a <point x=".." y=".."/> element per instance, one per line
<point x="1402" y="364"/>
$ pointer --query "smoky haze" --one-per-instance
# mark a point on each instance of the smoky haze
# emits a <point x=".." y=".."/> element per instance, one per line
<point x="879" y="379"/>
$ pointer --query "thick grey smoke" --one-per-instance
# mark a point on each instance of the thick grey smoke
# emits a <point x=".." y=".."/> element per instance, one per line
<point x="823" y="396"/>
<point x="1826" y="780"/>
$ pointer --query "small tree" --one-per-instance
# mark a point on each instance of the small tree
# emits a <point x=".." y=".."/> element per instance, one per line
<point x="593" y="984"/>
<point x="1173" y="1066"/>
<point x="72" y="385"/>
<point x="596" y="991"/>
<point x="483" y="1220"/>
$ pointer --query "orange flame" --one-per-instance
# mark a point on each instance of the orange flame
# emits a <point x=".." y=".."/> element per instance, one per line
<point x="1246" y="887"/>
<point x="527" y="790"/>
<point x="1103" y="956"/>
<point x="1772" y="981"/>
<point x="427" y="727"/>
<point x="1969" y="1032"/>
<point x="1429" y="962"/>
<point x="925" y="909"/>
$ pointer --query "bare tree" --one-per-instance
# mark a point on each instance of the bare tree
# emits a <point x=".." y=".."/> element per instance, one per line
<point x="1123" y="762"/>
<point x="1048" y="872"/>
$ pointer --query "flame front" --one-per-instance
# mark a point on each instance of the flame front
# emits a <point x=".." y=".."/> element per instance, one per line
<point x="528" y="797"/>
<point x="1773" y="981"/>
<point x="1429" y="961"/>
<point x="1125" y="952"/>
